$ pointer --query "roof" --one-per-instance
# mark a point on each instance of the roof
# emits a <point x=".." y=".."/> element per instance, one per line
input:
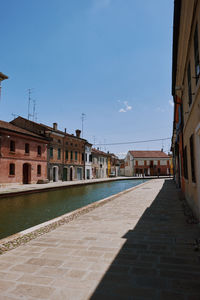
<point x="13" y="128"/>
<point x="46" y="127"/>
<point x="99" y="152"/>
<point x="3" y="76"/>
<point x="148" y="154"/>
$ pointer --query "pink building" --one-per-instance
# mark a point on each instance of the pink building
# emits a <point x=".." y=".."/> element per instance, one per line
<point x="23" y="155"/>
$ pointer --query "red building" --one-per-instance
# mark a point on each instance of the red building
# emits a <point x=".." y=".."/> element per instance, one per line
<point x="23" y="155"/>
<point x="147" y="163"/>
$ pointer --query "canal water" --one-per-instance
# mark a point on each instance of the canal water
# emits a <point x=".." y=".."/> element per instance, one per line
<point x="21" y="212"/>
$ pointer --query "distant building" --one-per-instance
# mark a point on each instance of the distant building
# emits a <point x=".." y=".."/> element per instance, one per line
<point x="121" y="167"/>
<point x="186" y="96"/>
<point x="99" y="164"/>
<point x="88" y="160"/>
<point x="23" y="155"/>
<point x="147" y="163"/>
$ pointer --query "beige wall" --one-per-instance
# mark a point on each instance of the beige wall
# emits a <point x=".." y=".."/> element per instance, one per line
<point x="191" y="113"/>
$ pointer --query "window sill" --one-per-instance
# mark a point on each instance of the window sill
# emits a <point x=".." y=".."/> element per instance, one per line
<point x="11" y="176"/>
<point x="12" y="152"/>
<point x="38" y="175"/>
<point x="27" y="154"/>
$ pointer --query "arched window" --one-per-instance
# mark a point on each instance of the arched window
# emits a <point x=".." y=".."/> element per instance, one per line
<point x="12" y="169"/>
<point x="26" y="148"/>
<point x="12" y="146"/>
<point x="39" y="170"/>
<point x="39" y="150"/>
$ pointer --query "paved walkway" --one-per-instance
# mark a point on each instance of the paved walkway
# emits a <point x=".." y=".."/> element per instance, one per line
<point x="137" y="246"/>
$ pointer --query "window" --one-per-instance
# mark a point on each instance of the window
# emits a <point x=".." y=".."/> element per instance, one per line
<point x="185" y="163"/>
<point x="39" y="150"/>
<point x="83" y="154"/>
<point x="59" y="141"/>
<point x="51" y="152"/>
<point x="12" y="146"/>
<point x="39" y="170"/>
<point x="12" y="169"/>
<point x="196" y="54"/>
<point x="71" y="155"/>
<point x="76" y="155"/>
<point x="75" y="145"/>
<point x="59" y="152"/>
<point x="189" y="84"/>
<point x="90" y="158"/>
<point x="26" y="148"/>
<point x="192" y="158"/>
<point x="66" y="154"/>
<point x="66" y="143"/>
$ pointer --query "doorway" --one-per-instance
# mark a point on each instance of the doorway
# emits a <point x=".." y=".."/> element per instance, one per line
<point x="26" y="173"/>
<point x="65" y="174"/>
<point x="55" y="174"/>
<point x="71" y="173"/>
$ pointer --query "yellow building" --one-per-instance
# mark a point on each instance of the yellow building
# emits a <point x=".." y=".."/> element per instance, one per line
<point x="186" y="93"/>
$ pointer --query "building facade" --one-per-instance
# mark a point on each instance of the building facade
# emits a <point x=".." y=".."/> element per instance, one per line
<point x="88" y="160"/>
<point x="185" y="91"/>
<point x="99" y="164"/>
<point x="147" y="163"/>
<point x="66" y="152"/>
<point x="23" y="156"/>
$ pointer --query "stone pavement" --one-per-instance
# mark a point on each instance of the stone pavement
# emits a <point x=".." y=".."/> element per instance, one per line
<point x="137" y="246"/>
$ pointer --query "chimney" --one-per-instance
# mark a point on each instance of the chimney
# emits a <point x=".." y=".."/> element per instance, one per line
<point x="78" y="133"/>
<point x="161" y="149"/>
<point x="65" y="130"/>
<point x="55" y="126"/>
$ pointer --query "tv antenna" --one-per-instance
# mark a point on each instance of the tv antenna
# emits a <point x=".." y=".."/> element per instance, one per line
<point x="29" y="102"/>
<point x="83" y="116"/>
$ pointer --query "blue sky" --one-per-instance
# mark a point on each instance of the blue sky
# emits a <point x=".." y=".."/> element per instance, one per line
<point x="109" y="59"/>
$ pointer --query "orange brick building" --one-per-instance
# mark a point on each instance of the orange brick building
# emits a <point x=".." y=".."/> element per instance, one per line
<point x="23" y="155"/>
<point x="66" y="152"/>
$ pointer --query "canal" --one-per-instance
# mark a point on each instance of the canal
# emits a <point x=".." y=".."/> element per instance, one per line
<point x="24" y="211"/>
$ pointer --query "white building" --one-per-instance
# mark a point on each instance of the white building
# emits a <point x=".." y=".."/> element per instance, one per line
<point x="88" y="161"/>
<point x="148" y="163"/>
<point x="99" y="164"/>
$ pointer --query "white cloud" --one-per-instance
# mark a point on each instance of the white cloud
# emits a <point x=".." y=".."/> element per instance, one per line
<point x="171" y="102"/>
<point x="126" y="108"/>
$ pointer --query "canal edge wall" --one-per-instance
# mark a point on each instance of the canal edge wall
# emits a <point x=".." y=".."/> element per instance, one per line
<point x="52" y="187"/>
<point x="22" y="237"/>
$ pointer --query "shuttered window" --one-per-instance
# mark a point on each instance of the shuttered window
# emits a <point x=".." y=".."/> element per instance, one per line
<point x="185" y="163"/>
<point x="196" y="54"/>
<point x="192" y="158"/>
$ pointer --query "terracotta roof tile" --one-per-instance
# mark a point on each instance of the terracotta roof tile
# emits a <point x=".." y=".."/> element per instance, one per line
<point x="149" y="154"/>
<point x="11" y="127"/>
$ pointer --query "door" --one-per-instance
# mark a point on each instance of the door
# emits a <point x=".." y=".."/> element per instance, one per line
<point x="55" y="174"/>
<point x="65" y="174"/>
<point x="71" y="173"/>
<point x="26" y="173"/>
<point x="79" y="173"/>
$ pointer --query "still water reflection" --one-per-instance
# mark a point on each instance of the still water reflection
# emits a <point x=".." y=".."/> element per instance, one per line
<point x="21" y="212"/>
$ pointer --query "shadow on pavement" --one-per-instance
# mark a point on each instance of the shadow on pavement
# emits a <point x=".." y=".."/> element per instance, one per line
<point x="158" y="260"/>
